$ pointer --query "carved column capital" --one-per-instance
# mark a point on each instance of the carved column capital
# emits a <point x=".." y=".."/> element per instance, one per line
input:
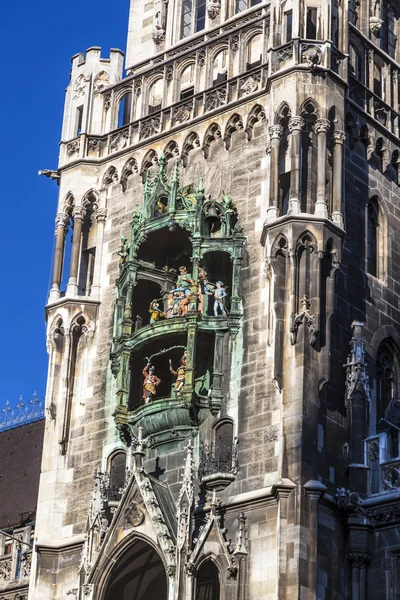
<point x="62" y="220"/>
<point x="322" y="126"/>
<point x="101" y="215"/>
<point x="339" y="137"/>
<point x="78" y="213"/>
<point x="359" y="559"/>
<point x="296" y="124"/>
<point x="275" y="132"/>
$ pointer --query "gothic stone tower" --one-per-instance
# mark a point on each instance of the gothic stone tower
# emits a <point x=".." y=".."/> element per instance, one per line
<point x="234" y="207"/>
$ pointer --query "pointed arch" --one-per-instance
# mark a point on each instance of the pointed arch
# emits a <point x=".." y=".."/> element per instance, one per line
<point x="171" y="150"/>
<point x="90" y="199"/>
<point x="283" y="113"/>
<point x="149" y="160"/>
<point x="129" y="168"/>
<point x="69" y="203"/>
<point x="235" y="123"/>
<point x="110" y="177"/>
<point x="256" y="115"/>
<point x="212" y="134"/>
<point x="309" y="108"/>
<point x="191" y="142"/>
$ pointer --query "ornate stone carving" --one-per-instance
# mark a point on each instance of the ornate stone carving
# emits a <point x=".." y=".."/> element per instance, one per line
<point x="137" y="87"/>
<point x="62" y="220"/>
<point x="134" y="514"/>
<point x="359" y="559"/>
<point x="73" y="148"/>
<point x="78" y="212"/>
<point x="107" y="100"/>
<point x="213" y="9"/>
<point x="390" y="476"/>
<point x="158" y="35"/>
<point x="201" y="57"/>
<point x="296" y="124"/>
<point x="101" y="81"/>
<point x="250" y="84"/>
<point x="150" y="127"/>
<point x="311" y="55"/>
<point x="79" y="86"/>
<point x="119" y="140"/>
<point x="356" y="366"/>
<point x="304" y="316"/>
<point x="284" y="54"/>
<point x="322" y="126"/>
<point x="182" y="113"/>
<point x="235" y="42"/>
<point x="169" y="73"/>
<point x="339" y="137"/>
<point x="241" y="547"/>
<point x="214" y="99"/>
<point x="101" y="215"/>
<point x="375" y="24"/>
<point x="275" y="131"/>
<point x="347" y="500"/>
<point x="373" y="451"/>
<point x="5" y="570"/>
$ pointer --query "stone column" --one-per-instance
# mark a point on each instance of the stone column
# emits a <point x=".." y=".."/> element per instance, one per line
<point x="275" y="133"/>
<point x="296" y="125"/>
<point x="338" y="138"/>
<point x="235" y="298"/>
<point x="128" y="321"/>
<point x="78" y="215"/>
<point x="62" y="220"/>
<point x="314" y="489"/>
<point x="321" y="128"/>
<point x="101" y="216"/>
<point x="359" y="562"/>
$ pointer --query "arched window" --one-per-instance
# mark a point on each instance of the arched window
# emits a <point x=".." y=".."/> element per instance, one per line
<point x="208" y="586"/>
<point x="254" y="52"/>
<point x="372" y="238"/>
<point x="377" y="80"/>
<point x="220" y="68"/>
<point x="124" y="110"/>
<point x="387" y="31"/>
<point x="387" y="373"/>
<point x="223" y="441"/>
<point x="139" y="573"/>
<point x="155" y="96"/>
<point x="116" y="469"/>
<point x="187" y="82"/>
<point x="355" y="62"/>
<point x="193" y="17"/>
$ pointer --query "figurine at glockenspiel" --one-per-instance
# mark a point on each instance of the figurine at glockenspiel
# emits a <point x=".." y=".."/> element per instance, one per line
<point x="150" y="383"/>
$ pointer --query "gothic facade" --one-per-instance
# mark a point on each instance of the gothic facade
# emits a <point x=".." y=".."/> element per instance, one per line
<point x="223" y="325"/>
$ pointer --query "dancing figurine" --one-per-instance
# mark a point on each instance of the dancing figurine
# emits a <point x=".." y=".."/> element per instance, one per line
<point x="156" y="314"/>
<point x="179" y="374"/>
<point x="150" y="383"/>
<point x="219" y="299"/>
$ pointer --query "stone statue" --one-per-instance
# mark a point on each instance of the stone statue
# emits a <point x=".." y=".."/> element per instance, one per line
<point x="156" y="314"/>
<point x="219" y="299"/>
<point x="150" y="383"/>
<point x="230" y="214"/>
<point x="179" y="374"/>
<point x="123" y="252"/>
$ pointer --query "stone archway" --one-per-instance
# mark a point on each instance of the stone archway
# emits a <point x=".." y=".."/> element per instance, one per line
<point x="139" y="573"/>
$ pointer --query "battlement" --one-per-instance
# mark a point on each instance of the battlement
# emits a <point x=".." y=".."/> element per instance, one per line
<point x="93" y="56"/>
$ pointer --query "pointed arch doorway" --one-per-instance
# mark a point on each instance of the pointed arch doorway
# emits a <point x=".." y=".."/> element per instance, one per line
<point x="138" y="574"/>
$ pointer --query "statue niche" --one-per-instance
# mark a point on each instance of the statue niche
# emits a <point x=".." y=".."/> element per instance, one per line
<point x="220" y="217"/>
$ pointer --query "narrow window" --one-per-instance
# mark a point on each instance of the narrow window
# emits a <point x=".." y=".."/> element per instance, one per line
<point x="223" y="441"/>
<point x="311" y="26"/>
<point x="220" y="68"/>
<point x="155" y="96"/>
<point x="186" y="19"/>
<point x="124" y="110"/>
<point x="372" y="239"/>
<point x="187" y="83"/>
<point x="200" y="15"/>
<point x="117" y="474"/>
<point x="355" y="63"/>
<point x="79" y="120"/>
<point x="254" y="52"/>
<point x="288" y="26"/>
<point x="207" y="585"/>
<point x="377" y="81"/>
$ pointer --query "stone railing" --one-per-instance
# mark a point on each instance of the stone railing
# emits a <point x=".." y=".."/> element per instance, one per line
<point x="390" y="476"/>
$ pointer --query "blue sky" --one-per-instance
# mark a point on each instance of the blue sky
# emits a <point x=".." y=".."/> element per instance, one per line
<point x="37" y="41"/>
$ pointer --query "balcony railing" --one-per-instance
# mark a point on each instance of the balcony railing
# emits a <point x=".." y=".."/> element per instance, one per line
<point x="218" y="458"/>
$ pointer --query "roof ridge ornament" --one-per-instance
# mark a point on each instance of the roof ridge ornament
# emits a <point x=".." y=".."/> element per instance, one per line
<point x="23" y="413"/>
